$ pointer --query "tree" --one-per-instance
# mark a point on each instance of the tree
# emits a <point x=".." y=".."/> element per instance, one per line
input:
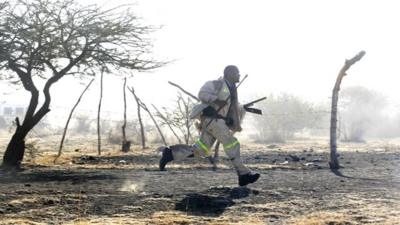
<point x="47" y="40"/>
<point x="179" y="118"/>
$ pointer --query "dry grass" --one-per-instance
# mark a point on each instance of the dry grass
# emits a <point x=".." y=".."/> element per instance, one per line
<point x="19" y="221"/>
<point x="168" y="218"/>
<point x="321" y="218"/>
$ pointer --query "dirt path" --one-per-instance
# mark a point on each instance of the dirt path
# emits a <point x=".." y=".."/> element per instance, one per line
<point x="296" y="187"/>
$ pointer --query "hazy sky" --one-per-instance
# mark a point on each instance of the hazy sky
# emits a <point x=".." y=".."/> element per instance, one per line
<point x="284" y="46"/>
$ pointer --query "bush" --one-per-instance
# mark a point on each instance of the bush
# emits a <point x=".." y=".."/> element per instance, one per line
<point x="284" y="116"/>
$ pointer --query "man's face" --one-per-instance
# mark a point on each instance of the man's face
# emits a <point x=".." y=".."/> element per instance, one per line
<point x="237" y="77"/>
<point x="231" y="73"/>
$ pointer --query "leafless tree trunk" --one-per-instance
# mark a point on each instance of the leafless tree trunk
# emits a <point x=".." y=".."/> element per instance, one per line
<point x="125" y="144"/>
<point x="155" y="123"/>
<point x="141" y="104"/>
<point x="334" y="162"/>
<point x="166" y="121"/>
<point x="184" y="110"/>
<point x="98" y="114"/>
<point x="69" y="118"/>
<point x="138" y="102"/>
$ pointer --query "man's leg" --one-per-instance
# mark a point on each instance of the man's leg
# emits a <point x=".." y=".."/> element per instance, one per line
<point x="231" y="146"/>
<point x="182" y="151"/>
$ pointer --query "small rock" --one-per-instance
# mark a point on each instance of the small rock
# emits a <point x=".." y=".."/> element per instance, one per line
<point x="317" y="160"/>
<point x="122" y="161"/>
<point x="48" y="202"/>
<point x="294" y="158"/>
<point x="272" y="146"/>
<point x="27" y="185"/>
<point x="77" y="150"/>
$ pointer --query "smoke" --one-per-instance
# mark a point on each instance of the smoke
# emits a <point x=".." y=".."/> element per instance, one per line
<point x="132" y="186"/>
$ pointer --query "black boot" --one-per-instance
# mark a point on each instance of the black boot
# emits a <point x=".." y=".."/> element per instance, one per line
<point x="248" y="178"/>
<point x="166" y="158"/>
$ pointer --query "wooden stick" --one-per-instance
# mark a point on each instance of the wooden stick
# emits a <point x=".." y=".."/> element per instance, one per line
<point x="68" y="120"/>
<point x="334" y="162"/>
<point x="98" y="113"/>
<point x="125" y="144"/>
<point x="184" y="91"/>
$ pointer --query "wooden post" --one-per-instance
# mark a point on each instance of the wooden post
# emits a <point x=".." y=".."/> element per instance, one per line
<point x="125" y="144"/>
<point x="334" y="162"/>
<point x="98" y="114"/>
<point x="69" y="118"/>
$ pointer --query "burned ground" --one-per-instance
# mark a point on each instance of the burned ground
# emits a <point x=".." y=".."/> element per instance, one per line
<point x="296" y="187"/>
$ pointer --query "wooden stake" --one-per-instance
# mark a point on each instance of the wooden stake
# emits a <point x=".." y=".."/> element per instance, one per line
<point x="125" y="144"/>
<point x="98" y="114"/>
<point x="334" y="162"/>
<point x="68" y="120"/>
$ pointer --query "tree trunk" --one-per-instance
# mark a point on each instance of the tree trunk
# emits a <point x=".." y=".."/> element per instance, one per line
<point x="143" y="137"/>
<point x="15" y="150"/>
<point x="155" y="123"/>
<point x="69" y="118"/>
<point x="98" y="114"/>
<point x="125" y="144"/>
<point x="334" y="162"/>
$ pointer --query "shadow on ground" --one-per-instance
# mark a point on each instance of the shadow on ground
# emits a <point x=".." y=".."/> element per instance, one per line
<point x="214" y="201"/>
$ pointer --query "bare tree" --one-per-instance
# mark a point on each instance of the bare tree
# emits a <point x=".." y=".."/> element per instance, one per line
<point x="168" y="123"/>
<point x="125" y="143"/>
<point x="143" y="106"/>
<point x="98" y="113"/>
<point x="334" y="162"/>
<point x="50" y="39"/>
<point x="69" y="118"/>
<point x="179" y="117"/>
<point x="138" y="103"/>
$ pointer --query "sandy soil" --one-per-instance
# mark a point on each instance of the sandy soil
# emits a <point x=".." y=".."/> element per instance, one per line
<point x="296" y="186"/>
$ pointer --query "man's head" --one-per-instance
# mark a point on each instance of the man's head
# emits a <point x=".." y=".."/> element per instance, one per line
<point x="231" y="74"/>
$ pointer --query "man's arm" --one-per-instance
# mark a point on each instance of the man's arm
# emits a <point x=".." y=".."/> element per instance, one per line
<point x="208" y="93"/>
